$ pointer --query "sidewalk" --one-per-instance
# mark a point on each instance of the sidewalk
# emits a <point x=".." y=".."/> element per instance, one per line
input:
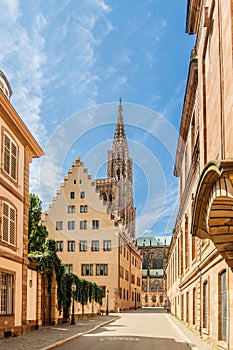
<point x="193" y="340"/>
<point x="50" y="336"/>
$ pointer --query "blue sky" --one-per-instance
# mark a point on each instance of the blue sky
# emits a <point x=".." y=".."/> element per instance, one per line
<point x="69" y="61"/>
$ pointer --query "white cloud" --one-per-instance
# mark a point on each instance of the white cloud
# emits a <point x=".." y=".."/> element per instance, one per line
<point x="22" y="58"/>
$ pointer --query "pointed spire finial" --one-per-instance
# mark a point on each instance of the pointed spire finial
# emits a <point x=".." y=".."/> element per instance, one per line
<point x="120" y="109"/>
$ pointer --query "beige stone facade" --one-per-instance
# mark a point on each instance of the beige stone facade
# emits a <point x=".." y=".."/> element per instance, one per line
<point x="18" y="147"/>
<point x="200" y="260"/>
<point x="93" y="238"/>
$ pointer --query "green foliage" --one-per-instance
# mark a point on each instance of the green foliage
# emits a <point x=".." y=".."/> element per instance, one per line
<point x="37" y="233"/>
<point x="85" y="292"/>
<point x="48" y="262"/>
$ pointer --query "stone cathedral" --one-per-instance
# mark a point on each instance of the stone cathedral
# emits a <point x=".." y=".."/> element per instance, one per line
<point x="117" y="189"/>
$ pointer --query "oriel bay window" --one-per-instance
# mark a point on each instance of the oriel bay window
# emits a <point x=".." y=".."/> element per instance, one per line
<point x="101" y="269"/>
<point x="6" y="293"/>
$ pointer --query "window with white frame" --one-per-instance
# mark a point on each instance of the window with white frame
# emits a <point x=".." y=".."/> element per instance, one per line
<point x="71" y="225"/>
<point x="95" y="246"/>
<point x="10" y="156"/>
<point x="71" y="209"/>
<point x="59" y="225"/>
<point x="83" y="225"/>
<point x="95" y="224"/>
<point x="87" y="269"/>
<point x="107" y="245"/>
<point x="83" y="246"/>
<point x="68" y="268"/>
<point x="8" y="224"/>
<point x="6" y="293"/>
<point x="71" y="246"/>
<point x="83" y="208"/>
<point x="59" y="245"/>
<point x="101" y="269"/>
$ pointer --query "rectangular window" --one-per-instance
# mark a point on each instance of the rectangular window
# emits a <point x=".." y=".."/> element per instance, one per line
<point x="83" y="208"/>
<point x="82" y="194"/>
<point x="71" y="246"/>
<point x="222" y="307"/>
<point x="83" y="225"/>
<point x="95" y="224"/>
<point x="71" y="225"/>
<point x="59" y="246"/>
<point x="101" y="269"/>
<point x="71" y="209"/>
<point x="59" y="225"/>
<point x="194" y="306"/>
<point x="8" y="224"/>
<point x="10" y="157"/>
<point x="95" y="246"/>
<point x="107" y="245"/>
<point x="69" y="268"/>
<point x="72" y="195"/>
<point x="87" y="269"/>
<point x="205" y="305"/>
<point x="83" y="246"/>
<point x="6" y="293"/>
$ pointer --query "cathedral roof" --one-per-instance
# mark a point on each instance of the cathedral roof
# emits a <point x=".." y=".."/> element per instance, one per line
<point x="158" y="241"/>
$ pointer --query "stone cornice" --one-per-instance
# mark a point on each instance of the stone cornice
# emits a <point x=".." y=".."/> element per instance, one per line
<point x="189" y="100"/>
<point x="15" y="123"/>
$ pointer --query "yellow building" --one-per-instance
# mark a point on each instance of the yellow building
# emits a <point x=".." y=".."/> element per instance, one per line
<point x="200" y="259"/>
<point x="93" y="234"/>
<point x="18" y="147"/>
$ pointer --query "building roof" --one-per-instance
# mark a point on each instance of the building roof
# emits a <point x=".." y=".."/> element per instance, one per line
<point x="153" y="272"/>
<point x="156" y="241"/>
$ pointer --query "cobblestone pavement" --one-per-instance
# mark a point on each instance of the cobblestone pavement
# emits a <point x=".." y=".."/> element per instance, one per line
<point x="50" y="336"/>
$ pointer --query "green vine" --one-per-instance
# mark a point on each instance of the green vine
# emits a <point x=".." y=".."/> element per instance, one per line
<point x="48" y="262"/>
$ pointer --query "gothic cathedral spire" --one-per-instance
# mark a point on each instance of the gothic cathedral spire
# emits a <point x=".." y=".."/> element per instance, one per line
<point x="117" y="191"/>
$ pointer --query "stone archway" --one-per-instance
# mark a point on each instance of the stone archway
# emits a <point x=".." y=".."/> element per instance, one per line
<point x="213" y="207"/>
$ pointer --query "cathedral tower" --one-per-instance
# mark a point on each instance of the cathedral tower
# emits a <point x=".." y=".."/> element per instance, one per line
<point x="117" y="191"/>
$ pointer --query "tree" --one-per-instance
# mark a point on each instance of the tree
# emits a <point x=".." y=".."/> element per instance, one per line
<point x="37" y="233"/>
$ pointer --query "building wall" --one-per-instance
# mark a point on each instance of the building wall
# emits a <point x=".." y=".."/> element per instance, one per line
<point x="79" y="181"/>
<point x="201" y="247"/>
<point x="17" y="148"/>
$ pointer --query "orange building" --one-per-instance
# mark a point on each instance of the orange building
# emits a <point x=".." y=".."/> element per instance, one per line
<point x="200" y="259"/>
<point x="18" y="147"/>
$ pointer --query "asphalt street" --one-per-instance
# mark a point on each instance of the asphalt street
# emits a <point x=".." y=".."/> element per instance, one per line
<point x="133" y="331"/>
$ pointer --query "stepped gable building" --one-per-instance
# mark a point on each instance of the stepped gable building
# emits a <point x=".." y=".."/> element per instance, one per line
<point x="18" y="147"/>
<point x="92" y="227"/>
<point x="200" y="259"/>
<point x="154" y="251"/>
<point x="117" y="189"/>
